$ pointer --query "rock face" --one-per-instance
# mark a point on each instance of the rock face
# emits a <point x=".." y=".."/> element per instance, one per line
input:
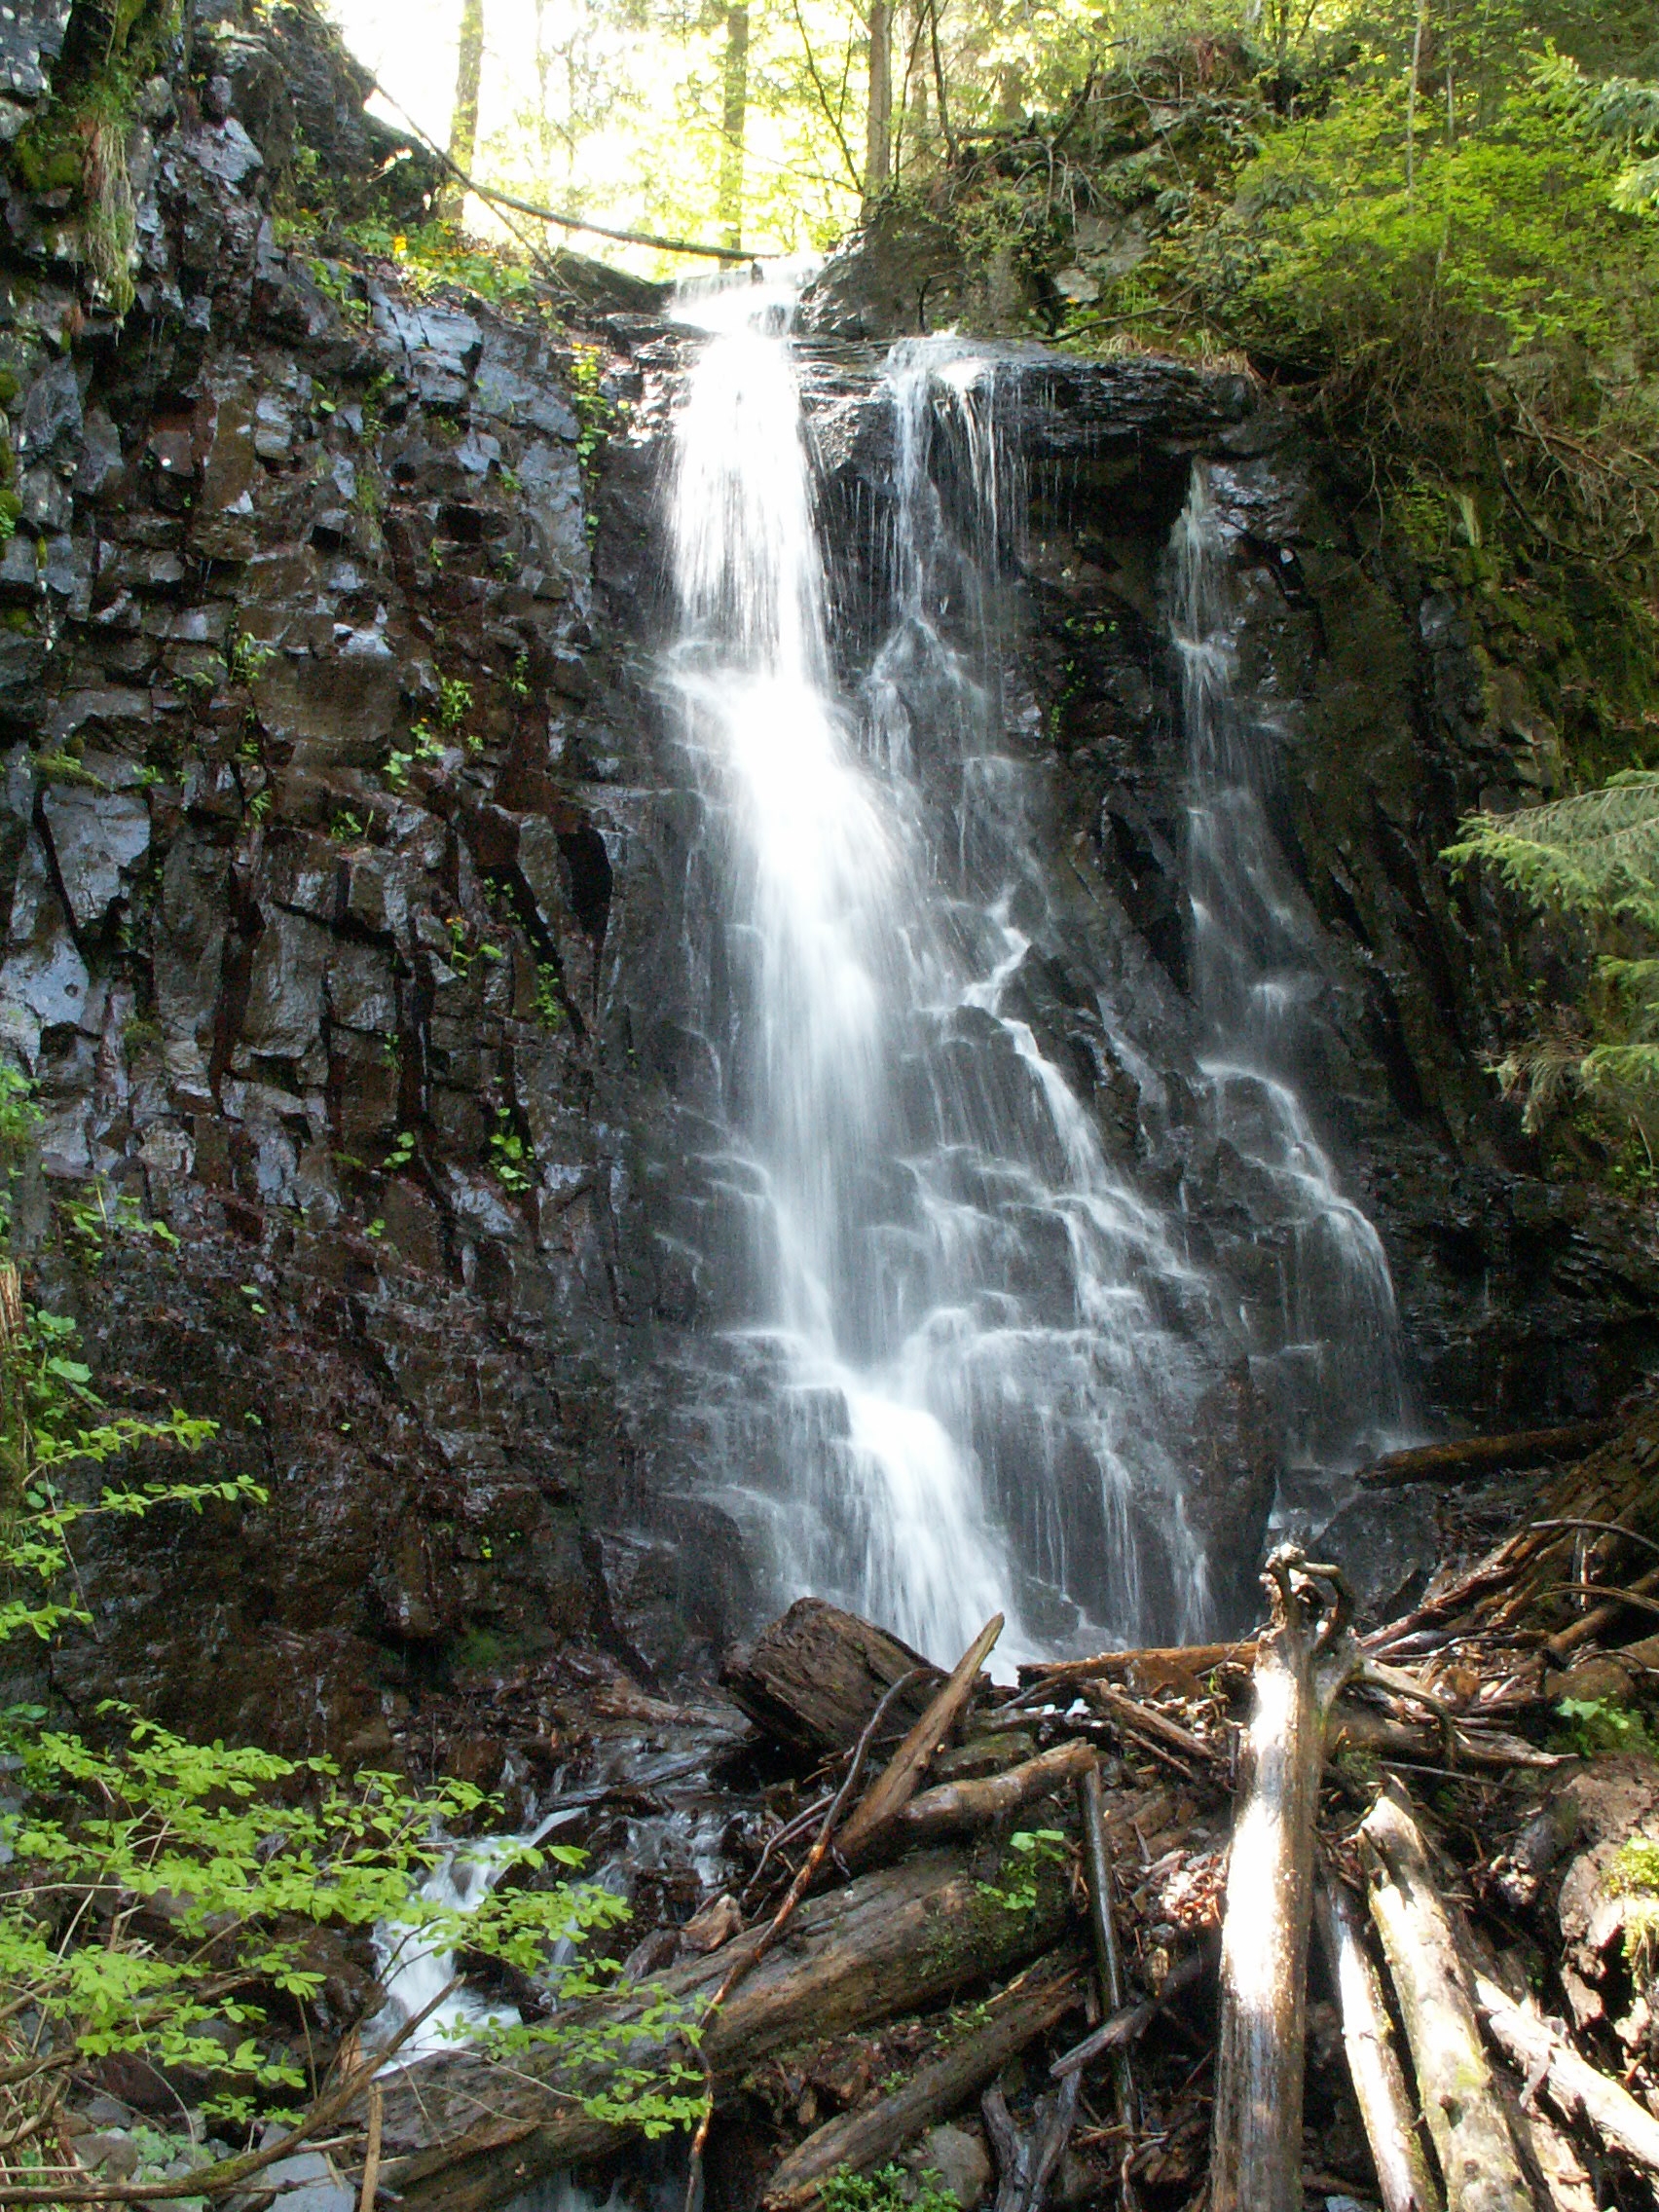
<point x="339" y="864"/>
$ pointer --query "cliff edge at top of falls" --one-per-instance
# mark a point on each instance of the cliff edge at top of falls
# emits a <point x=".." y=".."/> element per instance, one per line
<point x="334" y="857"/>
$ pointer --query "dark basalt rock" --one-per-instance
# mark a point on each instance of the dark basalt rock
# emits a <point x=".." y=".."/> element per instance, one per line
<point x="294" y="979"/>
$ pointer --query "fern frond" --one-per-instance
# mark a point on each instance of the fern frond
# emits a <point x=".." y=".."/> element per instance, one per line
<point x="1540" y="1074"/>
<point x="1636" y="190"/>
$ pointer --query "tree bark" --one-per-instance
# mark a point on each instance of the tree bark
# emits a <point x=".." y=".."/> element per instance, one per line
<point x="1573" y="2086"/>
<point x="898" y="1782"/>
<point x="957" y="1805"/>
<point x="812" y="1679"/>
<point x="1471" y="1457"/>
<point x="1479" y="2159"/>
<point x="461" y="2134"/>
<point x="860" y="2140"/>
<point x="878" y="130"/>
<point x="1305" y="1657"/>
<point x="463" y="116"/>
<point x="734" y="110"/>
<point x="1403" y="2177"/>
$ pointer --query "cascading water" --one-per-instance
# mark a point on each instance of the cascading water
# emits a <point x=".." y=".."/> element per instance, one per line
<point x="1331" y="1352"/>
<point x="954" y="1383"/>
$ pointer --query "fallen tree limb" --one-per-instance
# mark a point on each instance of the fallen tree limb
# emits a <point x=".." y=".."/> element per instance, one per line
<point x="1362" y="1728"/>
<point x="1097" y="1865"/>
<point x="1026" y="2158"/>
<point x="956" y="1805"/>
<point x="1154" y="1661"/>
<point x="1471" y="1457"/>
<point x="860" y="2140"/>
<point x="461" y="2134"/>
<point x="1403" y="2176"/>
<point x="750" y="1957"/>
<point x="1479" y="2159"/>
<point x="1574" y="2087"/>
<point x="812" y="1679"/>
<point x="1127" y="2026"/>
<point x="1305" y="1659"/>
<point x="899" y="1780"/>
<point x="1601" y="1617"/>
<point x="1150" y="1725"/>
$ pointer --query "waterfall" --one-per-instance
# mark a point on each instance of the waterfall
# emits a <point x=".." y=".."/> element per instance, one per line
<point x="1330" y="1349"/>
<point x="959" y="1365"/>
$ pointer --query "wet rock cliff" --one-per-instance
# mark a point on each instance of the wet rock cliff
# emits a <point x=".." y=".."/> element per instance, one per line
<point x="338" y="872"/>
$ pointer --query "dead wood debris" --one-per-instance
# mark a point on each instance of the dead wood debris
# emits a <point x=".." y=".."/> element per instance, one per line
<point x="1128" y="1853"/>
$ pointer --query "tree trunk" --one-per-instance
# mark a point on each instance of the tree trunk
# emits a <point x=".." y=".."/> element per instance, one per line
<point x="862" y="2139"/>
<point x="1479" y="2160"/>
<point x="734" y="85"/>
<point x="899" y="1780"/>
<point x="1472" y="1456"/>
<point x="957" y="1805"/>
<point x="461" y="2134"/>
<point x="463" y="116"/>
<point x="1573" y="2086"/>
<point x="1305" y="1657"/>
<point x="812" y="1679"/>
<point x="879" y="131"/>
<point x="1403" y="2179"/>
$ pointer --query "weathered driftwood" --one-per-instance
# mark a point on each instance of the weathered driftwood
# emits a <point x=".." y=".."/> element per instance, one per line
<point x="461" y="2134"/>
<point x="902" y="1776"/>
<point x="1150" y="1724"/>
<point x="1573" y="2086"/>
<point x="1304" y="1661"/>
<point x="1123" y="2028"/>
<point x="1601" y="1618"/>
<point x="1469" y="1457"/>
<point x="1362" y="1728"/>
<point x="812" y="1679"/>
<point x="1403" y="2177"/>
<point x="957" y="1805"/>
<point x="1149" y="1665"/>
<point x="1480" y="2162"/>
<point x="862" y="2139"/>
<point x="1026" y="2158"/>
<point x="1097" y="1867"/>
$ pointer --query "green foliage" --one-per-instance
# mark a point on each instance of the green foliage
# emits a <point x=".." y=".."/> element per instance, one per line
<point x="455" y="701"/>
<point x="890" y="2189"/>
<point x="246" y="659"/>
<point x="510" y="1154"/>
<point x="1598" y="1724"/>
<point x="1593" y="856"/>
<point x="1619" y="116"/>
<point x="1029" y="1850"/>
<point x="549" y="999"/>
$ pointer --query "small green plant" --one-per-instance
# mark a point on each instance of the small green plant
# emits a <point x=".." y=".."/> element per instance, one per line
<point x="455" y="701"/>
<point x="259" y="806"/>
<point x="510" y="1156"/>
<point x="397" y="770"/>
<point x="246" y="659"/>
<point x="518" y="683"/>
<point x="345" y="829"/>
<point x="401" y="1152"/>
<point x="250" y="1291"/>
<point x="1594" y="1724"/>
<point x="1029" y="1850"/>
<point x="549" y="999"/>
<point x="890" y="2189"/>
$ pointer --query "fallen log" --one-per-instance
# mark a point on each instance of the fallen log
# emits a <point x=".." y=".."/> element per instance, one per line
<point x="1468" y="1457"/>
<point x="1108" y="1960"/>
<point x="957" y="1805"/>
<point x="1150" y="1724"/>
<point x="1153" y="1664"/>
<point x="1403" y="2178"/>
<point x="1305" y="1659"/>
<point x="1575" y="2087"/>
<point x="1479" y="2159"/>
<point x="1127" y="2025"/>
<point x="860" y="2140"/>
<point x="1362" y="1728"/>
<point x="902" y="1776"/>
<point x="812" y="1679"/>
<point x="1026" y="2158"/>
<point x="1602" y="1617"/>
<point x="461" y="2134"/>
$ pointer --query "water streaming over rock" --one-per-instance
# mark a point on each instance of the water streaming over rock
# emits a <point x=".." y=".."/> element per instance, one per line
<point x="962" y="1370"/>
<point x="1328" y="1345"/>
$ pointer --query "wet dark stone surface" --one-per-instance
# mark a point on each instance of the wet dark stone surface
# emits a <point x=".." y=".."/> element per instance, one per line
<point x="259" y="926"/>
